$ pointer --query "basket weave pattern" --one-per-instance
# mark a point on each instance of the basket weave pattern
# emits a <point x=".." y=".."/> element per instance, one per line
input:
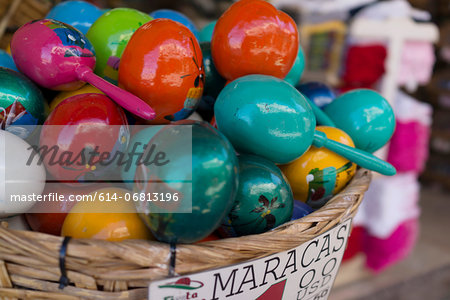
<point x="122" y="270"/>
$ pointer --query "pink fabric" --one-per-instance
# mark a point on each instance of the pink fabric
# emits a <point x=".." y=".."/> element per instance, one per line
<point x="408" y="150"/>
<point x="382" y="253"/>
<point x="417" y="63"/>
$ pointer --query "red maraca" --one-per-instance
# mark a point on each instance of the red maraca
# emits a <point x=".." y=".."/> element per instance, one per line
<point x="59" y="57"/>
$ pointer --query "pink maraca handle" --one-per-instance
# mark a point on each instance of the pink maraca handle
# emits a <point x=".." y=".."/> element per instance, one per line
<point x="125" y="99"/>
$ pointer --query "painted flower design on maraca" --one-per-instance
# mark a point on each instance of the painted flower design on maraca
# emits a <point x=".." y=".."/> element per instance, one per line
<point x="266" y="211"/>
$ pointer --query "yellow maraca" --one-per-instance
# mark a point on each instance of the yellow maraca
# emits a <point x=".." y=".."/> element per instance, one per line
<point x="85" y="89"/>
<point x="320" y="173"/>
<point x="109" y="217"/>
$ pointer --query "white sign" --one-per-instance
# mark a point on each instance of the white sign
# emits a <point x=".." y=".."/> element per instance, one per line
<point x="303" y="273"/>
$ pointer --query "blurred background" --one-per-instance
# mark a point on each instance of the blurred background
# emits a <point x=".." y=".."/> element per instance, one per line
<point x="399" y="247"/>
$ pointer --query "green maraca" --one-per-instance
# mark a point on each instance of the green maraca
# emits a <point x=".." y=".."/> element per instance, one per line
<point x="110" y="35"/>
<point x="266" y="116"/>
<point x="200" y="169"/>
<point x="365" y="116"/>
<point x="264" y="199"/>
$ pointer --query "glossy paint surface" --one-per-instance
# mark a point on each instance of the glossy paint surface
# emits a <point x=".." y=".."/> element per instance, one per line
<point x="365" y="116"/>
<point x="86" y="89"/>
<point x="79" y="14"/>
<point x="320" y="173"/>
<point x="58" y="50"/>
<point x="48" y="217"/>
<point x="317" y="92"/>
<point x="90" y="115"/>
<point x="175" y="16"/>
<point x="119" y="222"/>
<point x="163" y="65"/>
<point x="253" y="37"/>
<point x="138" y="142"/>
<point x="265" y="116"/>
<point x="21" y="103"/>
<point x="212" y="181"/>
<point x="207" y="32"/>
<point x="110" y="35"/>
<point x="301" y="209"/>
<point x="19" y="176"/>
<point x="7" y="61"/>
<point x="264" y="199"/>
<point x="214" y="82"/>
<point x="294" y="75"/>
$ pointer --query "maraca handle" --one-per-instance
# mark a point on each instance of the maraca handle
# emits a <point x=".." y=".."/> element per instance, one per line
<point x="321" y="117"/>
<point x="360" y="157"/>
<point x="125" y="99"/>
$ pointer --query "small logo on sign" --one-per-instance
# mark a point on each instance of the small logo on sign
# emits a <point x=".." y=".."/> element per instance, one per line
<point x="184" y="283"/>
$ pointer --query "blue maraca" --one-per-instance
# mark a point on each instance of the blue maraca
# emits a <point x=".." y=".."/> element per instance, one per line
<point x="301" y="209"/>
<point x="7" y="61"/>
<point x="79" y="14"/>
<point x="175" y="16"/>
<point x="319" y="93"/>
<point x="266" y="116"/>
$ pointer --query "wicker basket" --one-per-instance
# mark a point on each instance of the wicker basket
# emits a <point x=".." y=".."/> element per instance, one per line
<point x="30" y="261"/>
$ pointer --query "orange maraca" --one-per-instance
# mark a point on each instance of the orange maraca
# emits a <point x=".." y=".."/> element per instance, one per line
<point x="253" y="37"/>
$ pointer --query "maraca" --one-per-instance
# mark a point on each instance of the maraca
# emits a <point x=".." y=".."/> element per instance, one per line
<point x="175" y="16"/>
<point x="162" y="64"/>
<point x="22" y="105"/>
<point x="110" y="35"/>
<point x="114" y="220"/>
<point x="23" y="175"/>
<point x="206" y="33"/>
<point x="82" y="129"/>
<point x="214" y="83"/>
<point x="300" y="210"/>
<point x="85" y="89"/>
<point x="138" y="144"/>
<point x="7" y="61"/>
<point x="63" y="59"/>
<point x="294" y="75"/>
<point x="253" y="37"/>
<point x="320" y="173"/>
<point x="266" y="116"/>
<point x="48" y="216"/>
<point x="79" y="14"/>
<point x="366" y="116"/>
<point x="202" y="172"/>
<point x="264" y="199"/>
<point x="319" y="93"/>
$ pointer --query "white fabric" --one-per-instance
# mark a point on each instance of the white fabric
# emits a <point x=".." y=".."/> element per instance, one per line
<point x="408" y="109"/>
<point x="392" y="9"/>
<point x="388" y="203"/>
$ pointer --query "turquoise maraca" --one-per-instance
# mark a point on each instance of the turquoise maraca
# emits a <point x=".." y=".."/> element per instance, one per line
<point x="294" y="75"/>
<point x="137" y="144"/>
<point x="206" y="33"/>
<point x="365" y="116"/>
<point x="266" y="116"/>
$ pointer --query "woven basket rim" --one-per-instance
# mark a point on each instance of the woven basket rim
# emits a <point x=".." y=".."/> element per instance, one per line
<point x="124" y="269"/>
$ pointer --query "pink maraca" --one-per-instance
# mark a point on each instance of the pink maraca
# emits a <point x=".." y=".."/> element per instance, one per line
<point x="59" y="57"/>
